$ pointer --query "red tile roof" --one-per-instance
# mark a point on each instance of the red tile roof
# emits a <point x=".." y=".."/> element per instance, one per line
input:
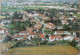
<point x="60" y="38"/>
<point x="52" y="37"/>
<point x="65" y="21"/>
<point x="38" y="27"/>
<point x="0" y="38"/>
<point x="32" y="33"/>
<point x="17" y="36"/>
<point x="7" y="33"/>
<point x="60" y="32"/>
<point x="76" y="38"/>
<point x="42" y="36"/>
<point x="50" y="24"/>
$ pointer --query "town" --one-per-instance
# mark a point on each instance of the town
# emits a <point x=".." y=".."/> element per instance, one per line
<point x="39" y="23"/>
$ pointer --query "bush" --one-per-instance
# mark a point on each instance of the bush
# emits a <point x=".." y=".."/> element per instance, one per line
<point x="44" y="42"/>
<point x="51" y="43"/>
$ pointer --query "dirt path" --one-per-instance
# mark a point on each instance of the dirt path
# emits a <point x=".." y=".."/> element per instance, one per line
<point x="0" y="49"/>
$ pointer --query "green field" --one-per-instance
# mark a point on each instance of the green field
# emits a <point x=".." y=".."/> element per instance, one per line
<point x="43" y="50"/>
<point x="10" y="10"/>
<point x="13" y="10"/>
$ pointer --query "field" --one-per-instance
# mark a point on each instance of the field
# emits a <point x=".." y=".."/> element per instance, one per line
<point x="44" y="50"/>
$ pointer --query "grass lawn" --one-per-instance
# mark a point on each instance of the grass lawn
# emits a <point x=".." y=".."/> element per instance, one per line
<point x="44" y="50"/>
<point x="1" y="17"/>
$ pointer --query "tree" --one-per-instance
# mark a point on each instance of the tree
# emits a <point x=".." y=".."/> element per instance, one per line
<point x="7" y="38"/>
<point x="17" y="15"/>
<point x="45" y="42"/>
<point x="75" y="26"/>
<point x="65" y="27"/>
<point x="73" y="43"/>
<point x="36" y="40"/>
<point x="77" y="34"/>
<point x="47" y="36"/>
<point x="52" y="14"/>
<point x="63" y="35"/>
<point x="11" y="26"/>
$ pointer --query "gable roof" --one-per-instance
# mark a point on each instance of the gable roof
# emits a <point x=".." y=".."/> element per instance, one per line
<point x="50" y="24"/>
<point x="7" y="33"/>
<point x="52" y="37"/>
<point x="42" y="36"/>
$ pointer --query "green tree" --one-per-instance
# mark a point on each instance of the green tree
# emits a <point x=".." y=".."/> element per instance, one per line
<point x="73" y="43"/>
<point x="65" y="27"/>
<point x="7" y="38"/>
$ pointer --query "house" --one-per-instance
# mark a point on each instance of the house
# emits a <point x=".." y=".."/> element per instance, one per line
<point x="18" y="37"/>
<point x="36" y="15"/>
<point x="49" y="25"/>
<point x="62" y="17"/>
<point x="71" y="13"/>
<point x="53" y="38"/>
<point x="76" y="33"/>
<point x="60" y="38"/>
<point x="1" y="39"/>
<point x="2" y="31"/>
<point x="42" y="36"/>
<point x="76" y="39"/>
<point x="29" y="30"/>
<point x="71" y="18"/>
<point x="23" y="33"/>
<point x="5" y="22"/>
<point x="37" y="29"/>
<point x="64" y="22"/>
<point x="11" y="13"/>
<point x="30" y="15"/>
<point x="34" y="20"/>
<point x="78" y="13"/>
<point x="61" y="32"/>
<point x="45" y="20"/>
<point x="38" y="24"/>
<point x="59" y="27"/>
<point x="70" y="38"/>
<point x="7" y="34"/>
<point x="32" y="35"/>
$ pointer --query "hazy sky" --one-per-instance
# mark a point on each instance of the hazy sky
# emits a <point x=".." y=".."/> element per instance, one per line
<point x="39" y="0"/>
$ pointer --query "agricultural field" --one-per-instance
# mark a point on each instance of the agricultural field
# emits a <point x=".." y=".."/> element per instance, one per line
<point x="44" y="50"/>
<point x="34" y="8"/>
<point x="19" y="9"/>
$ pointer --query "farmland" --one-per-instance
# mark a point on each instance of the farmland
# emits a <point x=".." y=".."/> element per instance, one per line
<point x="43" y="50"/>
